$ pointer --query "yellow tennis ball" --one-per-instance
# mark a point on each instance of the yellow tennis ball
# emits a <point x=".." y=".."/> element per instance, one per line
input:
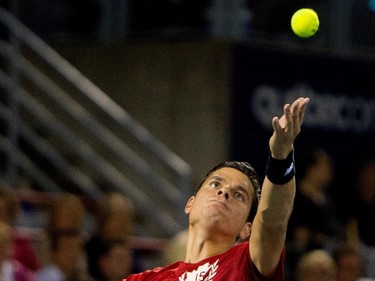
<point x="305" y="22"/>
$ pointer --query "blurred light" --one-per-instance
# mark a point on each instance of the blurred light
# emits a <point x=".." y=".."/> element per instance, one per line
<point x="371" y="5"/>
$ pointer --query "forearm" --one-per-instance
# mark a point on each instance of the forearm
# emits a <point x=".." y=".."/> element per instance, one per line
<point x="278" y="192"/>
<point x="270" y="224"/>
<point x="276" y="203"/>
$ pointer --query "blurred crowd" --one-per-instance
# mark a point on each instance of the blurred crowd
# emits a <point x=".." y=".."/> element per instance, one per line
<point x="329" y="238"/>
<point x="331" y="232"/>
<point x="64" y="250"/>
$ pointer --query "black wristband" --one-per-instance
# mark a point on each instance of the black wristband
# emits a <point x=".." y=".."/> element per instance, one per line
<point x="280" y="171"/>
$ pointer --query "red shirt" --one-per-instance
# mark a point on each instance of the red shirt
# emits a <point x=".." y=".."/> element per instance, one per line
<point x="233" y="265"/>
<point x="24" y="252"/>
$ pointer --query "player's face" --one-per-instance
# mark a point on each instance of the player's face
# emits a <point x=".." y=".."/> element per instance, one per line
<point x="226" y="197"/>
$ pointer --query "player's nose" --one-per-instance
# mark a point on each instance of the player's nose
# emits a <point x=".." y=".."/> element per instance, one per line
<point x="223" y="192"/>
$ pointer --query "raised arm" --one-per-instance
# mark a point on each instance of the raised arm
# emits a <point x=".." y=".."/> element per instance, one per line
<point x="268" y="233"/>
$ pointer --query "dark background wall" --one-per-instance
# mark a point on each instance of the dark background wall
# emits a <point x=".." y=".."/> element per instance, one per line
<point x="177" y="90"/>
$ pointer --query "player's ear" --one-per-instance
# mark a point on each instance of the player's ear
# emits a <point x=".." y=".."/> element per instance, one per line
<point x="189" y="204"/>
<point x="245" y="232"/>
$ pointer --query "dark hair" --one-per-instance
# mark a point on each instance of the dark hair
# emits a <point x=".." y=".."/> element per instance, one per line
<point x="247" y="170"/>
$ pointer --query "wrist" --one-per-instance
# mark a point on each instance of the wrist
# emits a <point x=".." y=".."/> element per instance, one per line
<point x="280" y="171"/>
<point x="281" y="153"/>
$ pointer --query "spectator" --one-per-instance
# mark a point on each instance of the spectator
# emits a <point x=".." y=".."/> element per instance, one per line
<point x="176" y="248"/>
<point x="316" y="265"/>
<point x="64" y="229"/>
<point x="109" y="251"/>
<point x="10" y="268"/>
<point x="364" y="214"/>
<point x="349" y="263"/>
<point x="22" y="248"/>
<point x="313" y="223"/>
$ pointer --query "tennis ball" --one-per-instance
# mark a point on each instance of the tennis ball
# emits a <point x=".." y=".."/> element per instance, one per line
<point x="305" y="22"/>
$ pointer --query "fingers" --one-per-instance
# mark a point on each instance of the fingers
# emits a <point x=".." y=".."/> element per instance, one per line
<point x="276" y="124"/>
<point x="293" y="115"/>
<point x="298" y="109"/>
<point x="289" y="113"/>
<point x="303" y="106"/>
<point x="287" y="127"/>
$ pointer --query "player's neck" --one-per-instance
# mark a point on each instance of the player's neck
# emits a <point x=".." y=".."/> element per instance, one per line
<point x="202" y="245"/>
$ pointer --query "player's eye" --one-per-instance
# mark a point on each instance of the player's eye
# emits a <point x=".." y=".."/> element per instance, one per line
<point x="239" y="196"/>
<point x="215" y="184"/>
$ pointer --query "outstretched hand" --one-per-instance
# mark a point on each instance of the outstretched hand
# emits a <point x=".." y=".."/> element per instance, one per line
<point x="287" y="127"/>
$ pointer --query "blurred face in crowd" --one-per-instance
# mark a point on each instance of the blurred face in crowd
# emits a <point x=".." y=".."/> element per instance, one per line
<point x="68" y="251"/>
<point x="117" y="262"/>
<point x="366" y="182"/>
<point x="349" y="268"/>
<point x="316" y="265"/>
<point x="5" y="241"/>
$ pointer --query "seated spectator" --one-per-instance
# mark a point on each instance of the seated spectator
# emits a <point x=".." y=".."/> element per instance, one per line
<point x="316" y="265"/>
<point x="64" y="231"/>
<point x="22" y="248"/>
<point x="364" y="214"/>
<point x="313" y="223"/>
<point x="112" y="259"/>
<point x="10" y="268"/>
<point x="176" y="248"/>
<point x="349" y="263"/>
<point x="108" y="250"/>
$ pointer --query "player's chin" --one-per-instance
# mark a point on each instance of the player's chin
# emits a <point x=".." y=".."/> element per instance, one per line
<point x="216" y="213"/>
